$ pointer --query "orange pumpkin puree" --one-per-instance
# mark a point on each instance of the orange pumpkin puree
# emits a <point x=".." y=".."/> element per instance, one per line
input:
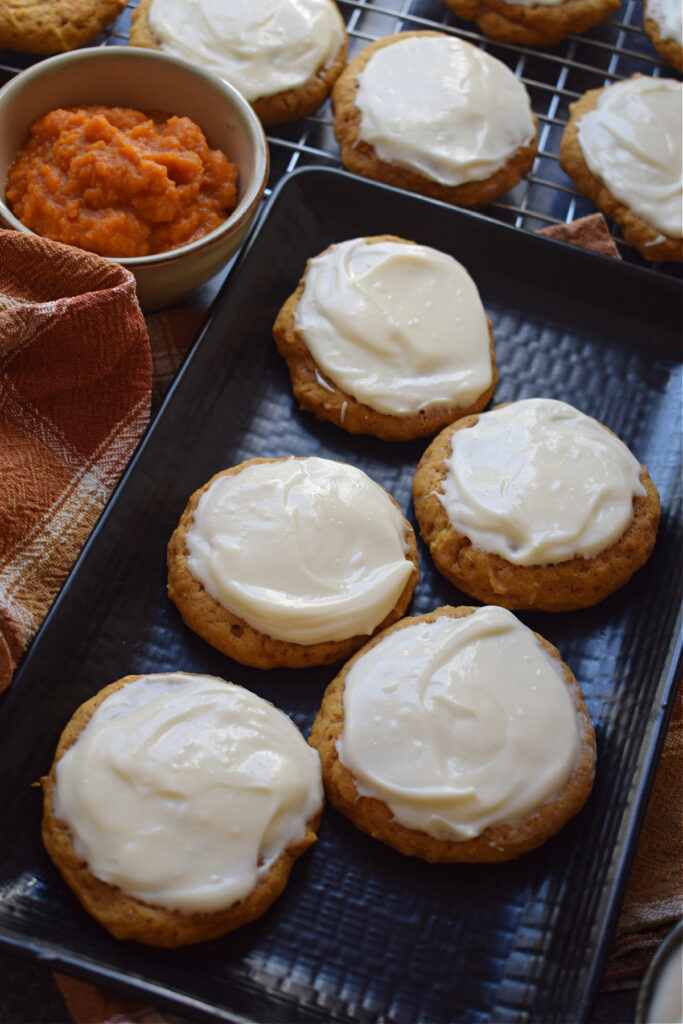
<point x="120" y="182"/>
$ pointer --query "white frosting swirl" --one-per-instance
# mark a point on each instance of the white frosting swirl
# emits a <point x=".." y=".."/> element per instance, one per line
<point x="443" y="108"/>
<point x="668" y="16"/>
<point x="398" y="326"/>
<point x="305" y="550"/>
<point x="183" y="790"/>
<point x="260" y="46"/>
<point x="459" y="724"/>
<point x="538" y="482"/>
<point x="631" y="141"/>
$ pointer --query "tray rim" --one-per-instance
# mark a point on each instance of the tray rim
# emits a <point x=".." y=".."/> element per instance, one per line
<point x="673" y="675"/>
<point x="285" y="184"/>
<point x="671" y="671"/>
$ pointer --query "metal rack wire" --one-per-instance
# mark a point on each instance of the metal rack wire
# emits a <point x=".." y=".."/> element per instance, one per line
<point x="554" y="78"/>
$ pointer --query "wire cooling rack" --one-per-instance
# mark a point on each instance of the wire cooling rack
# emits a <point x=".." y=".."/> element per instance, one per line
<point x="554" y="78"/>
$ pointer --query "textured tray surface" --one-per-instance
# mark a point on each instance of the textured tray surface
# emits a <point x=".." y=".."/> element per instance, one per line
<point x="361" y="933"/>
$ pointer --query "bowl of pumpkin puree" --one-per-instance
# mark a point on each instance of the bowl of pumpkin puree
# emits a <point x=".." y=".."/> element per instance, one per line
<point x="136" y="155"/>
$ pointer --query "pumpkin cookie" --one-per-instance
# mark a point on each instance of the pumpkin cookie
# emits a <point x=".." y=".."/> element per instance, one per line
<point x="534" y="22"/>
<point x="456" y="736"/>
<point x="283" y="56"/>
<point x="432" y="114"/>
<point x="176" y="806"/>
<point x="622" y="148"/>
<point x="535" y="505"/>
<point x="291" y="562"/>
<point x="386" y="337"/>
<point x="53" y="26"/>
<point x="663" y="22"/>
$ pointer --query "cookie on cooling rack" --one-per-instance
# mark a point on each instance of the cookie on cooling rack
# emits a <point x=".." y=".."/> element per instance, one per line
<point x="176" y="806"/>
<point x="622" y="148"/>
<point x="456" y="736"/>
<point x="282" y="55"/>
<point x="386" y="337"/>
<point x="433" y="114"/>
<point x="53" y="26"/>
<point x="535" y="505"/>
<point x="291" y="562"/>
<point x="536" y="22"/>
<point x="663" y="22"/>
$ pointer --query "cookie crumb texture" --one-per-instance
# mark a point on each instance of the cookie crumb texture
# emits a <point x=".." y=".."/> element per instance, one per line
<point x="230" y="632"/>
<point x="650" y="241"/>
<point x="488" y="577"/>
<point x="361" y="157"/>
<point x="498" y="842"/>
<point x="316" y="392"/>
<point x="273" y="107"/>
<point x="533" y="25"/>
<point x="662" y="23"/>
<point x="54" y="26"/>
<point x="127" y="916"/>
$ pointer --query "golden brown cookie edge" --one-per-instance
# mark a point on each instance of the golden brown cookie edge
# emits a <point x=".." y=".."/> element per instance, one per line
<point x="315" y="392"/>
<point x="281" y="107"/>
<point x="563" y="586"/>
<point x="538" y="25"/>
<point x="231" y="634"/>
<point x="360" y="158"/>
<point x="496" y="843"/>
<point x="57" y="26"/>
<point x="670" y="50"/>
<point x="125" y="916"/>
<point x="646" y="239"/>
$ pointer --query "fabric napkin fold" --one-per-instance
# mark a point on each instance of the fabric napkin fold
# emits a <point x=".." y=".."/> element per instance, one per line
<point x="75" y="379"/>
<point x="589" y="232"/>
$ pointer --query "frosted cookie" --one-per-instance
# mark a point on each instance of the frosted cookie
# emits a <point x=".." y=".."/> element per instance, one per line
<point x="282" y="55"/>
<point x="535" y="505"/>
<point x="430" y="113"/>
<point x="291" y="562"/>
<point x="622" y="148"/>
<point x="663" y="22"/>
<point x="386" y="337"/>
<point x="53" y="26"/>
<point x="456" y="736"/>
<point x="534" y="22"/>
<point x="176" y="806"/>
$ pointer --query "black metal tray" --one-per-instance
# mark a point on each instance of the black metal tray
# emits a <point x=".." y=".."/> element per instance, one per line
<point x="362" y="933"/>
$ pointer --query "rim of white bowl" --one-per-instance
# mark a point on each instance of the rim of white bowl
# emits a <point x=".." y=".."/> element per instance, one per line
<point x="646" y="990"/>
<point x="246" y="203"/>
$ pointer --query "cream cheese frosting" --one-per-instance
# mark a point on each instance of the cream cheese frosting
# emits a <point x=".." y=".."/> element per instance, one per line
<point x="668" y="16"/>
<point x="539" y="482"/>
<point x="305" y="550"/>
<point x="632" y="142"/>
<point x="262" y="47"/>
<point x="398" y="326"/>
<point x="458" y="724"/>
<point x="443" y="108"/>
<point x="183" y="790"/>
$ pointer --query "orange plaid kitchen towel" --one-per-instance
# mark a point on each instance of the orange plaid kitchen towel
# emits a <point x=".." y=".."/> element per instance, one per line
<point x="75" y="380"/>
